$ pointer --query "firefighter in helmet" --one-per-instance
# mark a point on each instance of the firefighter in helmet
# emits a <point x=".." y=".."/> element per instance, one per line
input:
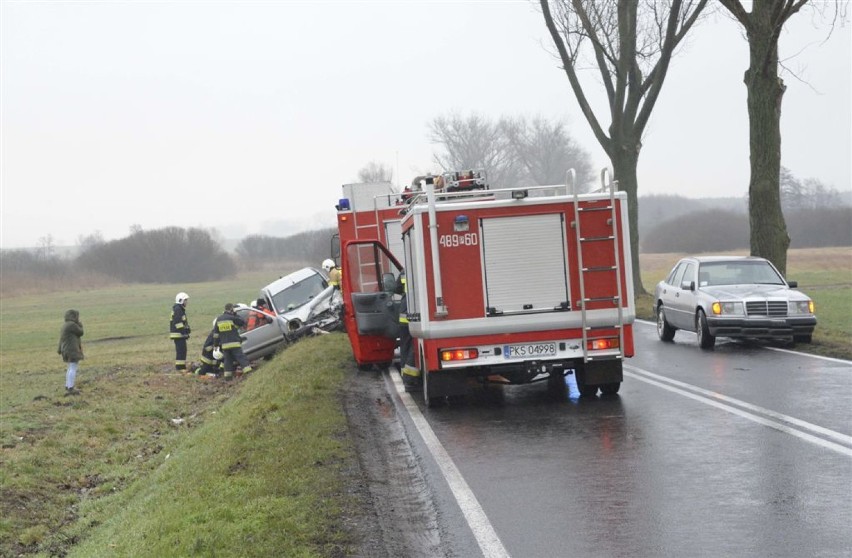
<point x="211" y="360"/>
<point x="334" y="274"/>
<point x="179" y="330"/>
<point x="226" y="337"/>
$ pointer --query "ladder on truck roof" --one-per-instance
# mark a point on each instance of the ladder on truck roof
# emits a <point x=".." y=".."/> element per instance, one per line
<point x="584" y="215"/>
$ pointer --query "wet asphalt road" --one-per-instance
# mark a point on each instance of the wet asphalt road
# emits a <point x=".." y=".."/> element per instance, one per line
<point x="741" y="451"/>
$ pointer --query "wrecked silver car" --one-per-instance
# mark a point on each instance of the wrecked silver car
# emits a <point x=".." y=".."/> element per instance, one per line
<point x="298" y="304"/>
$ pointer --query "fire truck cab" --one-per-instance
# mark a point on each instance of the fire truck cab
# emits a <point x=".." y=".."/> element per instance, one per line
<point x="511" y="286"/>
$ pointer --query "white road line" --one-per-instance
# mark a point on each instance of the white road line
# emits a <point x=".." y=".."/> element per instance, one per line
<point x="842" y="438"/>
<point x="829" y="359"/>
<point x="486" y="536"/>
<point x="779" y="349"/>
<point x="665" y="383"/>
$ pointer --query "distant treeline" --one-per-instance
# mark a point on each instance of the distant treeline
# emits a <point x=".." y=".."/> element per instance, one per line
<point x="670" y="223"/>
<point x="175" y="255"/>
<point x="311" y="246"/>
<point x="168" y="255"/>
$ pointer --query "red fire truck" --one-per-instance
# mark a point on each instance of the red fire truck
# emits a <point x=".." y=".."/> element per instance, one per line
<point x="511" y="286"/>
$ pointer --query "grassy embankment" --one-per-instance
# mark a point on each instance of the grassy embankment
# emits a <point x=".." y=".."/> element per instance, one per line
<point x="151" y="463"/>
<point x="147" y="462"/>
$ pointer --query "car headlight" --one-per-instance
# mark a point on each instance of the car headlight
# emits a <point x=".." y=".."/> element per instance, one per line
<point x="728" y="308"/>
<point x="801" y="307"/>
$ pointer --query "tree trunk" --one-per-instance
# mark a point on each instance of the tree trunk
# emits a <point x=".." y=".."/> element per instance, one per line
<point x="625" y="159"/>
<point x="769" y="238"/>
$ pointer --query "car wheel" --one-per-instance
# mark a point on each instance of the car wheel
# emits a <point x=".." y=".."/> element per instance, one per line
<point x="705" y="339"/>
<point x="802" y="338"/>
<point x="665" y="331"/>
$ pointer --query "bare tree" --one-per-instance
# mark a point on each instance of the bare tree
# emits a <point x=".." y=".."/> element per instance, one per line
<point x="86" y="242"/>
<point x="46" y="246"/>
<point x="632" y="43"/>
<point x="474" y="142"/>
<point x="375" y="172"/>
<point x="768" y="230"/>
<point x="544" y="151"/>
<point x="809" y="193"/>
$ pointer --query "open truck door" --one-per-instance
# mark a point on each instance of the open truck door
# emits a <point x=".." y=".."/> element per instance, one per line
<point x="371" y="309"/>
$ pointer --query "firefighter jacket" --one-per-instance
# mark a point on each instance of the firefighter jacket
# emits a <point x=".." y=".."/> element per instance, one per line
<point x="335" y="277"/>
<point x="402" y="289"/>
<point x="70" y="346"/>
<point x="178" y="325"/>
<point x="226" y="333"/>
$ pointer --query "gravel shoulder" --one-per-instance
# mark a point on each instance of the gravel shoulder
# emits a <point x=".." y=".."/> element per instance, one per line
<point x="399" y="516"/>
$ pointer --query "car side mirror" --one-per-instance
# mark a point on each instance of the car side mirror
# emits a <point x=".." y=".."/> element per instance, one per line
<point x="388" y="282"/>
<point x="687" y="285"/>
<point x="792" y="284"/>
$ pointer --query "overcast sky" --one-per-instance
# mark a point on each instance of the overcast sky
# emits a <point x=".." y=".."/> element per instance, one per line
<point x="241" y="115"/>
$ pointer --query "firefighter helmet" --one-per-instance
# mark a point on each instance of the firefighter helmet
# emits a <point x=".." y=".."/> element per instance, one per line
<point x="181" y="297"/>
<point x="217" y="353"/>
<point x="328" y="264"/>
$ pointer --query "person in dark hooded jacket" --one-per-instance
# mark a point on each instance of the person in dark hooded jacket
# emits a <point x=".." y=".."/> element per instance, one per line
<point x="71" y="348"/>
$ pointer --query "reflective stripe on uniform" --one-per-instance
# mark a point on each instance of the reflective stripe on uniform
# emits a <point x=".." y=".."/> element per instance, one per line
<point x="409" y="370"/>
<point x="225" y="325"/>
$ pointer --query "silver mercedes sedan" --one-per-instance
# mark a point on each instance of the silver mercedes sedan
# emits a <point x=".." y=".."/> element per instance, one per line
<point x="732" y="296"/>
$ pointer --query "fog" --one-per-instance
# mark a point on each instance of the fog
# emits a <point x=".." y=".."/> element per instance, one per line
<point x="247" y="117"/>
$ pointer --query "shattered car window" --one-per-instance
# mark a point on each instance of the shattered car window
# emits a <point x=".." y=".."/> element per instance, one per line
<point x="299" y="293"/>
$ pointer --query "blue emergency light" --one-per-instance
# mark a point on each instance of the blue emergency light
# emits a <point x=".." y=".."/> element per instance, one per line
<point x="461" y="223"/>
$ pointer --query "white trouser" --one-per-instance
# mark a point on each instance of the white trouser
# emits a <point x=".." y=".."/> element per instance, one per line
<point x="71" y="375"/>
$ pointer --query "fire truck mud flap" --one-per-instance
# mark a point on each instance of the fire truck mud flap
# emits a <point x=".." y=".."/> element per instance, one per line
<point x="439" y="385"/>
<point x="605" y="374"/>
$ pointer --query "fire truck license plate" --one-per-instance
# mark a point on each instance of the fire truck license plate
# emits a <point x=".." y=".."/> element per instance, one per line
<point x="529" y="350"/>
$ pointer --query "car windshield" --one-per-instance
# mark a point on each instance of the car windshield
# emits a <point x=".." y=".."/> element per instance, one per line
<point x="738" y="273"/>
<point x="299" y="293"/>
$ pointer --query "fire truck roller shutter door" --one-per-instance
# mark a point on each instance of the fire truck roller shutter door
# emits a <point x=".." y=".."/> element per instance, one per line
<point x="524" y="259"/>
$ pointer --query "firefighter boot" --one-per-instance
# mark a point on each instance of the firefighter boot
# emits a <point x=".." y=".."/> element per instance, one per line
<point x="410" y="378"/>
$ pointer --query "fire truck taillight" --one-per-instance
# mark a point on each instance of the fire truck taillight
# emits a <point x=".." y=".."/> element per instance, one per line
<point x="450" y="355"/>
<point x="602" y="344"/>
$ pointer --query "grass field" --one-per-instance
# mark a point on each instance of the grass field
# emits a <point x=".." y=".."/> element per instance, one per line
<point x="147" y="462"/>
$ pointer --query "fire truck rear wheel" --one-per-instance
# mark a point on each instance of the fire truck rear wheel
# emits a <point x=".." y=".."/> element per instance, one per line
<point x="610" y="389"/>
<point x="556" y="381"/>
<point x="587" y="390"/>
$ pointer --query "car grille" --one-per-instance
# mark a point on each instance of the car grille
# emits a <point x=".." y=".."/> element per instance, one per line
<point x="766" y="308"/>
